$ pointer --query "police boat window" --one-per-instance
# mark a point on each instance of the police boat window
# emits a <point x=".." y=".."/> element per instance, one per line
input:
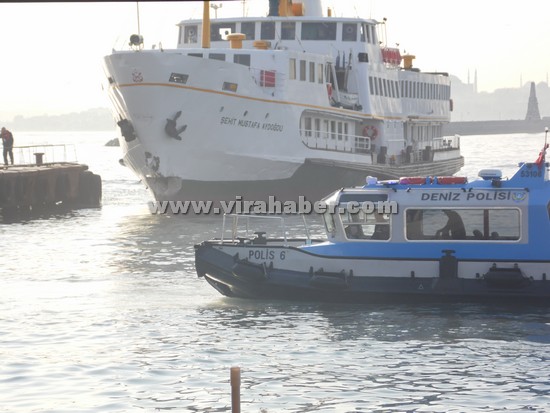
<point x="349" y="32"/>
<point x="463" y="224"/>
<point x="267" y="31"/>
<point x="288" y="30"/>
<point x="190" y="34"/>
<point x="370" y="225"/>
<point x="329" y="223"/>
<point x="318" y="31"/>
<point x="249" y="30"/>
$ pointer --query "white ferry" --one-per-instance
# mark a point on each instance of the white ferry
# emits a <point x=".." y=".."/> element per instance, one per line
<point x="295" y="103"/>
<point x="417" y="238"/>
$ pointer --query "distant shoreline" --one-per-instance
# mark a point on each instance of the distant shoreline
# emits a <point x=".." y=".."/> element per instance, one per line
<point x="495" y="127"/>
<point x="96" y="119"/>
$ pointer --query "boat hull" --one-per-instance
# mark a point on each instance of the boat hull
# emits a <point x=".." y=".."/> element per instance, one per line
<point x="235" y="277"/>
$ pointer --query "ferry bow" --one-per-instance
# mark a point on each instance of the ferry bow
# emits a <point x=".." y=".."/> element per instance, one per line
<point x="295" y="103"/>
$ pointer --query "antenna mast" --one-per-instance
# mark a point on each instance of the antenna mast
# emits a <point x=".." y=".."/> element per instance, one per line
<point x="137" y="9"/>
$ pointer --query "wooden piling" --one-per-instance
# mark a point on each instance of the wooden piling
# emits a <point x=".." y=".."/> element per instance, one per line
<point x="235" y="389"/>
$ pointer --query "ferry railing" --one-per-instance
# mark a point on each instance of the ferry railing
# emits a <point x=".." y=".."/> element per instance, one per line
<point x="334" y="141"/>
<point x="446" y="143"/>
<point x="54" y="153"/>
<point x="237" y="220"/>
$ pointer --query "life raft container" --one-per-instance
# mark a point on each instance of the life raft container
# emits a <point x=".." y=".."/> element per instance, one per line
<point x="415" y="180"/>
<point x="370" y="131"/>
<point x="446" y="180"/>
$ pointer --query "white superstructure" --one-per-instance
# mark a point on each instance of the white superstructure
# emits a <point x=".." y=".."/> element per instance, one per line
<point x="277" y="105"/>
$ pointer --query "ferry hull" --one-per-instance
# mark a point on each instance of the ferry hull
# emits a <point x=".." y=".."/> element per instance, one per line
<point x="314" y="179"/>
<point x="234" y="277"/>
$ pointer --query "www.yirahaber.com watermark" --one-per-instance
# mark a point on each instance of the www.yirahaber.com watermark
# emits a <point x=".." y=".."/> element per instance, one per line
<point x="271" y="206"/>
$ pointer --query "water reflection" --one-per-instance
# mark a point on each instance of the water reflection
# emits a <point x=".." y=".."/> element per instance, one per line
<point x="391" y="322"/>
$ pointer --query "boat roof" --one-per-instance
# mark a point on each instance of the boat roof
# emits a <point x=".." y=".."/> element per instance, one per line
<point x="530" y="176"/>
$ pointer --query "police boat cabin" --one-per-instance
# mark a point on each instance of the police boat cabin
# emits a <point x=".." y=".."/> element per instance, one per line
<point x="420" y="238"/>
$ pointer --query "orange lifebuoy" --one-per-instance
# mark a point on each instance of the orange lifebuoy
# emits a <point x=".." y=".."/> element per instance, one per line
<point x="370" y="131"/>
<point x="415" y="180"/>
<point x="443" y="180"/>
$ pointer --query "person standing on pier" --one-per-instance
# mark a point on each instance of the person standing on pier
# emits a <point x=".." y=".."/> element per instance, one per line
<point x="7" y="142"/>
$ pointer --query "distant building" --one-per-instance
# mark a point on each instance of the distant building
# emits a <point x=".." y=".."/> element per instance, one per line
<point x="533" y="105"/>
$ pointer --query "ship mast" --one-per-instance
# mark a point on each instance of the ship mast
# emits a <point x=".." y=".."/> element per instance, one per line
<point x="206" y="25"/>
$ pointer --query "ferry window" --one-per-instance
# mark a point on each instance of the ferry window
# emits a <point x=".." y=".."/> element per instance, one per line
<point x="178" y="78"/>
<point x="267" y="31"/>
<point x="288" y="30"/>
<point x="369" y="36"/>
<point x="385" y="87"/>
<point x="332" y="129"/>
<point x="195" y="54"/>
<point x="380" y="88"/>
<point x="317" y="127"/>
<point x="320" y="73"/>
<point x="292" y="69"/>
<point x="312" y="71"/>
<point x="349" y="32"/>
<point x="190" y="34"/>
<point x="318" y="31"/>
<point x="371" y="86"/>
<point x="361" y="225"/>
<point x="302" y="70"/>
<point x="362" y="33"/>
<point x="339" y="131"/>
<point x="219" y="31"/>
<point x="307" y="126"/>
<point x="373" y="36"/>
<point x="463" y="224"/>
<point x="217" y="56"/>
<point x="397" y="93"/>
<point x="231" y="87"/>
<point x="242" y="59"/>
<point x="249" y="29"/>
<point x="326" y="128"/>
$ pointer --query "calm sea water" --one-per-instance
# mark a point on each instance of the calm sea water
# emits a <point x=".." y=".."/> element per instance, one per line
<point x="101" y="311"/>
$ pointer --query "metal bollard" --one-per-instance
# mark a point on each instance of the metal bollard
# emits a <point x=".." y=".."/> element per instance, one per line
<point x="235" y="389"/>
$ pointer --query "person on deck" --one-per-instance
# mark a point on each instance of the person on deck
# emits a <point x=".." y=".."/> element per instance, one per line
<point x="7" y="142"/>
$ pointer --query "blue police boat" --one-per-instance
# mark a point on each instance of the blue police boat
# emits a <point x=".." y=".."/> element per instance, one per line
<point x="416" y="238"/>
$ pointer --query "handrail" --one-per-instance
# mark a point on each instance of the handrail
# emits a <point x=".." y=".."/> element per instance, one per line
<point x="235" y="224"/>
<point x="52" y="153"/>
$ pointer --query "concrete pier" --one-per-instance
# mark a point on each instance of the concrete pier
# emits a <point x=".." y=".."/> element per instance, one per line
<point x="43" y="185"/>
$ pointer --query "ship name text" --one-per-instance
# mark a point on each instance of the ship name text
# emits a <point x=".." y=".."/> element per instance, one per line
<point x="243" y="123"/>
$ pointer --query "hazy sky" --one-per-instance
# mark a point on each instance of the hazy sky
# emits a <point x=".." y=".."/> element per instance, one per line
<point x="52" y="52"/>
